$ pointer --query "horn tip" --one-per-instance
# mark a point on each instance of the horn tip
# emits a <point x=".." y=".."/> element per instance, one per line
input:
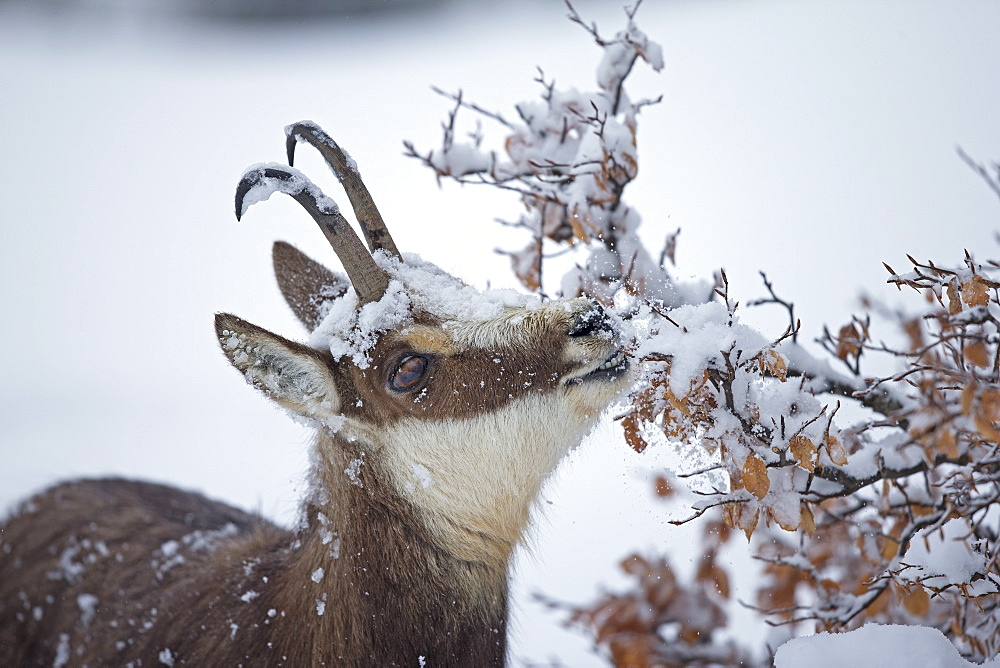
<point x="290" y="141"/>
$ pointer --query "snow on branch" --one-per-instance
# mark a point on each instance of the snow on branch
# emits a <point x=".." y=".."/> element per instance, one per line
<point x="569" y="156"/>
<point x="867" y="497"/>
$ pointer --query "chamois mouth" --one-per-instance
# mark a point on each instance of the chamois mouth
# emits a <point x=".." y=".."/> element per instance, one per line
<point x="612" y="368"/>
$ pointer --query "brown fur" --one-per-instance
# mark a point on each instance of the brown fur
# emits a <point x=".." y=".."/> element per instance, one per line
<point x="306" y="284"/>
<point x="112" y="539"/>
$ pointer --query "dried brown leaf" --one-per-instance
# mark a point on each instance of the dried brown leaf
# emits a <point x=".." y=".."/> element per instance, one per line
<point x="975" y="291"/>
<point x="947" y="444"/>
<point x="917" y="602"/>
<point x="780" y="594"/>
<point x="848" y="341"/>
<point x="914" y="330"/>
<point x="709" y="571"/>
<point x="804" y="452"/>
<point x="773" y="364"/>
<point x="989" y="402"/>
<point x="889" y="547"/>
<point x="968" y="396"/>
<point x="690" y="634"/>
<point x="633" y="436"/>
<point x="836" y="450"/>
<point x="755" y="477"/>
<point x="987" y="430"/>
<point x="662" y="487"/>
<point x="741" y="516"/>
<point x="977" y="354"/>
<point x="807" y="522"/>
<point x="954" y="301"/>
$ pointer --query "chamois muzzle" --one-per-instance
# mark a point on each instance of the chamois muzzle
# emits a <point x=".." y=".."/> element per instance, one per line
<point x="592" y="322"/>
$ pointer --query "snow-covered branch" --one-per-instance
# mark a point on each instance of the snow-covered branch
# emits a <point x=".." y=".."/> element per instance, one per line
<point x="849" y="485"/>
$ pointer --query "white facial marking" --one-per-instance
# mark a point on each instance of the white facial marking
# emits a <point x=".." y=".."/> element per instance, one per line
<point x="488" y="468"/>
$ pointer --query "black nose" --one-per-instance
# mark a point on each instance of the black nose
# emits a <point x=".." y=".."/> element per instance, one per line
<point x="594" y="320"/>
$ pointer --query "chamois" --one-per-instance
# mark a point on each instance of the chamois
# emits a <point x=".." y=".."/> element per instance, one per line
<point x="439" y="413"/>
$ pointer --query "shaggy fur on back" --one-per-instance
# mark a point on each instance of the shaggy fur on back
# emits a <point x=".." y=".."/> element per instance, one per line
<point x="116" y="572"/>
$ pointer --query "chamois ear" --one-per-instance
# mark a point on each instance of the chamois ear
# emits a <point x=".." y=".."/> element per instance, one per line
<point x="293" y="375"/>
<point x="305" y="284"/>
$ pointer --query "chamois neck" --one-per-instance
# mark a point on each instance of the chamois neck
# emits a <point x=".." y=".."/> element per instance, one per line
<point x="381" y="587"/>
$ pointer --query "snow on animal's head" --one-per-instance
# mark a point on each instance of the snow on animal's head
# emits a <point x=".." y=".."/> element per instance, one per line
<point x="432" y="348"/>
<point x="463" y="402"/>
<point x="461" y="398"/>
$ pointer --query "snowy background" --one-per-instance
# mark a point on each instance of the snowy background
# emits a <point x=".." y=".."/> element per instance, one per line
<point x="810" y="140"/>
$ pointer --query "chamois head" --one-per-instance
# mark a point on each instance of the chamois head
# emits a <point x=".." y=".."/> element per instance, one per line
<point x="458" y="403"/>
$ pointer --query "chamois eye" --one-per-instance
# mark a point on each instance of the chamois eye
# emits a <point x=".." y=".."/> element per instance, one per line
<point x="408" y="374"/>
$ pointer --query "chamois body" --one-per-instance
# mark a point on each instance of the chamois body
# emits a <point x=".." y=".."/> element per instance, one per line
<point x="117" y="572"/>
<point x="439" y="415"/>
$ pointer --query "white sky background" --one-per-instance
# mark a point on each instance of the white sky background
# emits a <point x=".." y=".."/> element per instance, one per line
<point x="811" y="140"/>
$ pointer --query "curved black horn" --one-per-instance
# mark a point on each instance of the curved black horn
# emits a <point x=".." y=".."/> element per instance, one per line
<point x="376" y="233"/>
<point x="260" y="181"/>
